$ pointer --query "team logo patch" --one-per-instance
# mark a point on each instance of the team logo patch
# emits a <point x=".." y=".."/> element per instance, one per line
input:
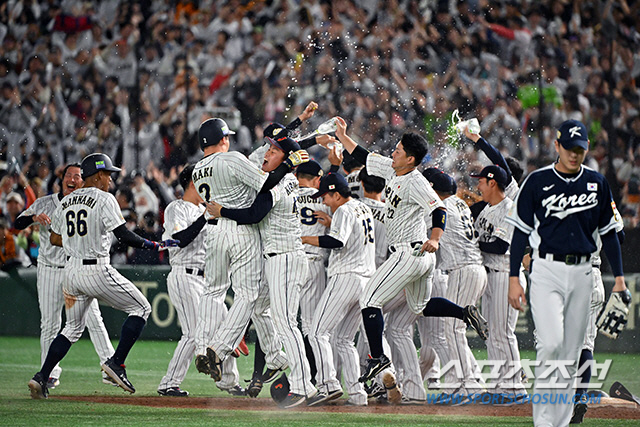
<point x="490" y="175"/>
<point x="100" y="165"/>
<point x="559" y="135"/>
<point x="276" y="131"/>
<point x="225" y="130"/>
<point x="592" y="186"/>
<point x="575" y="131"/>
<point x="433" y="202"/>
<point x="332" y="187"/>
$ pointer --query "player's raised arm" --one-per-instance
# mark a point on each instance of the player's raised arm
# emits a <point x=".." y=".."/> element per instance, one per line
<point x="251" y="215"/>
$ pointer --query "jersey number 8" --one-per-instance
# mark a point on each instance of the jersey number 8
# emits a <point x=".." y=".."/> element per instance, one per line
<point x="79" y="226"/>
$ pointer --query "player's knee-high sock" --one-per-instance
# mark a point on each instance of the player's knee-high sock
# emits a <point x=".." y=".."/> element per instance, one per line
<point x="585" y="356"/>
<point x="57" y="350"/>
<point x="131" y="330"/>
<point x="373" y="326"/>
<point x="258" y="360"/>
<point x="311" y="358"/>
<point x="442" y="307"/>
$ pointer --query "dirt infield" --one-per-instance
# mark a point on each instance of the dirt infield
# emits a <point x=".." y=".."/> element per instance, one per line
<point x="612" y="408"/>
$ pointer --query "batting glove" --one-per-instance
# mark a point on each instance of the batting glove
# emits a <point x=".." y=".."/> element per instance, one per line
<point x="160" y="246"/>
<point x="297" y="158"/>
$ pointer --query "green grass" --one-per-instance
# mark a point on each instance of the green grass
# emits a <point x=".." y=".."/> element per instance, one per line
<point x="20" y="359"/>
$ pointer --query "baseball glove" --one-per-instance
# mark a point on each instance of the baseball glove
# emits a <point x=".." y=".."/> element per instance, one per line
<point x="614" y="317"/>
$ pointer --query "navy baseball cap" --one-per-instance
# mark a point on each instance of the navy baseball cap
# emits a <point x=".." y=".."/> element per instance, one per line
<point x="494" y="172"/>
<point x="311" y="167"/>
<point x="428" y="172"/>
<point x="443" y="182"/>
<point x="284" y="143"/>
<point x="275" y="130"/>
<point x="331" y="182"/>
<point x="573" y="133"/>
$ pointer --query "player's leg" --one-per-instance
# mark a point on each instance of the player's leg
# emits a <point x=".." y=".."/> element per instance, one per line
<point x="244" y="270"/>
<point x="98" y="332"/>
<point x="309" y="296"/>
<point x="185" y="291"/>
<point x="345" y="333"/>
<point x="285" y="274"/>
<point x="586" y="354"/>
<point x="432" y="336"/>
<point x="389" y="279"/>
<point x="270" y="342"/>
<point x="51" y="303"/>
<point x="399" y="329"/>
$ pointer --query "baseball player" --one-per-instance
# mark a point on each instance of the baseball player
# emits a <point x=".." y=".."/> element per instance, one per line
<point x="51" y="273"/>
<point x="459" y="257"/>
<point x="185" y="221"/>
<point x="309" y="175"/>
<point x="408" y="196"/>
<point x="231" y="252"/>
<point x="82" y="225"/>
<point x="558" y="210"/>
<point x="286" y="267"/>
<point x="351" y="263"/>
<point x="494" y="235"/>
<point x="352" y="168"/>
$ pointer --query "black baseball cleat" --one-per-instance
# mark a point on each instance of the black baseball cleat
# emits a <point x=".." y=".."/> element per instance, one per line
<point x="374" y="367"/>
<point x="215" y="364"/>
<point x="202" y="364"/>
<point x="292" y="400"/>
<point x="579" y="410"/>
<point x="38" y="387"/>
<point x="472" y="317"/>
<point x="270" y="375"/>
<point x="118" y="374"/>
<point x="254" y="388"/>
<point x="173" y="391"/>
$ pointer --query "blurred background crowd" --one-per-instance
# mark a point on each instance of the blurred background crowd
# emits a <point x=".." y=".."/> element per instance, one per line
<point x="135" y="79"/>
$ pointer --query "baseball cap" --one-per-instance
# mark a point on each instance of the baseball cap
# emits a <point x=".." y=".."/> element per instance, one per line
<point x="429" y="172"/>
<point x="311" y="167"/>
<point x="211" y="131"/>
<point x="16" y="197"/>
<point x="331" y="182"/>
<point x="443" y="182"/>
<point x="276" y="130"/>
<point x="573" y="133"/>
<point x="494" y="172"/>
<point x="284" y="143"/>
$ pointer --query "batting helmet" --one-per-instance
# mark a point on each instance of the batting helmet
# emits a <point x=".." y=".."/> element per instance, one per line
<point x="212" y="131"/>
<point x="280" y="389"/>
<point x="96" y="162"/>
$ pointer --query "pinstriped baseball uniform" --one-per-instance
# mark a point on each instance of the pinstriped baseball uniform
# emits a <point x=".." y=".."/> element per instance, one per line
<point x="232" y="251"/>
<point x="85" y="219"/>
<point x="460" y="258"/>
<point x="51" y="274"/>
<point x="431" y="330"/>
<point x="338" y="312"/>
<point x="355" y="186"/>
<point x="185" y="284"/>
<point x="317" y="281"/>
<point x="408" y="197"/>
<point x="377" y="210"/>
<point x="598" y="294"/>
<point x="286" y="271"/>
<point x="502" y="344"/>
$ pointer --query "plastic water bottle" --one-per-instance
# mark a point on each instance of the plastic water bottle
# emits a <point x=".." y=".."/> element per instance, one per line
<point x="472" y="124"/>
<point x="337" y="145"/>
<point x="329" y="126"/>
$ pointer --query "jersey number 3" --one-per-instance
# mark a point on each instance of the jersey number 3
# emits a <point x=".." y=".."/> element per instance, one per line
<point x="76" y="223"/>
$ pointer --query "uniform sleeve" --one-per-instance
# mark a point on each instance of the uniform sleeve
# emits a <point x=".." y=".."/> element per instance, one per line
<point x="341" y="226"/>
<point x="378" y="165"/>
<point x="609" y="215"/>
<point x="523" y="208"/>
<point x="257" y="157"/>
<point x="173" y="221"/>
<point x="56" y="221"/>
<point x="35" y="209"/>
<point x="247" y="172"/>
<point x="425" y="196"/>
<point x="111" y="214"/>
<point x="504" y="229"/>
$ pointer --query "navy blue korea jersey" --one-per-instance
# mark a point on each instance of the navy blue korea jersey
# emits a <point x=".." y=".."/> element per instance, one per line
<point x="562" y="215"/>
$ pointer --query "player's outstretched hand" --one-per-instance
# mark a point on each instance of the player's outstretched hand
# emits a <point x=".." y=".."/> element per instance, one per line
<point x="517" y="298"/>
<point x="297" y="158"/>
<point x="309" y="111"/>
<point x="342" y="127"/>
<point x="325" y="140"/>
<point x="214" y="209"/>
<point x="169" y="243"/>
<point x="42" y="219"/>
<point x="472" y="136"/>
<point x="323" y="218"/>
